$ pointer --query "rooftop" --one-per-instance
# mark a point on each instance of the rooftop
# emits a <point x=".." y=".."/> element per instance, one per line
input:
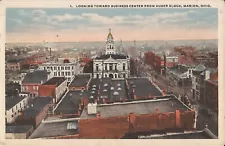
<point x="205" y="134"/>
<point x="114" y="56"/>
<point x="17" y="128"/>
<point x="55" y="81"/>
<point x="52" y="129"/>
<point x="36" y="77"/>
<point x="108" y="89"/>
<point x="140" y="92"/>
<point x="35" y="106"/>
<point x="70" y="103"/>
<point x="12" y="101"/>
<point x="138" y="107"/>
<point x="80" y="80"/>
<point x="178" y="69"/>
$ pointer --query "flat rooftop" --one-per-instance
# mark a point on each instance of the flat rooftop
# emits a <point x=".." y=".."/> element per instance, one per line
<point x="17" y="128"/>
<point x="70" y="103"/>
<point x="205" y="134"/>
<point x="138" y="107"/>
<point x="55" y="81"/>
<point x="53" y="129"/>
<point x="143" y="87"/>
<point x="11" y="101"/>
<point x="35" y="106"/>
<point x="80" y="80"/>
<point x="109" y="89"/>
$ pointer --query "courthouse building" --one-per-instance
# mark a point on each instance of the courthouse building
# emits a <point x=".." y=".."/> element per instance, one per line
<point x="112" y="64"/>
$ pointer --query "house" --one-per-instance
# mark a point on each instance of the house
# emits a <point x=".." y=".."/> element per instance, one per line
<point x="55" y="88"/>
<point x="32" y="81"/>
<point x="111" y="64"/>
<point x="14" y="105"/>
<point x="18" y="131"/>
<point x="116" y="120"/>
<point x="14" y="64"/>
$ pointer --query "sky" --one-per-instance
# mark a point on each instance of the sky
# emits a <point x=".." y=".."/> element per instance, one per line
<point x="76" y="25"/>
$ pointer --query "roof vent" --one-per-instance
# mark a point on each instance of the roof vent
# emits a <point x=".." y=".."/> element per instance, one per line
<point x="70" y="94"/>
<point x="112" y="88"/>
<point x="81" y="94"/>
<point x="105" y="84"/>
<point x="93" y="89"/>
<point x="91" y="97"/>
<point x="134" y="86"/>
<point x="32" y="105"/>
<point x="118" y="85"/>
<point x="119" y="88"/>
<point x="115" y="93"/>
<point x="104" y="90"/>
<point x="93" y="92"/>
<point x="94" y="86"/>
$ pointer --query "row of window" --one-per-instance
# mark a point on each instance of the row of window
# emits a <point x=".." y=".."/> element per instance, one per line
<point x="110" y="67"/>
<point x="63" y="73"/>
<point x="25" y="88"/>
<point x="59" y="68"/>
<point x="20" y="105"/>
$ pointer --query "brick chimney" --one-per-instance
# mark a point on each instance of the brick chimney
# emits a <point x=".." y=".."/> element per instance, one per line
<point x="178" y="118"/>
<point x="156" y="110"/>
<point x="132" y="119"/>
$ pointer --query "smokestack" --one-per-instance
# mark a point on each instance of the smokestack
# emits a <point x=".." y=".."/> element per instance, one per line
<point x="164" y="63"/>
<point x="50" y="53"/>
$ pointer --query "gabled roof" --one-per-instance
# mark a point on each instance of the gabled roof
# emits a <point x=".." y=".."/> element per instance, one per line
<point x="114" y="56"/>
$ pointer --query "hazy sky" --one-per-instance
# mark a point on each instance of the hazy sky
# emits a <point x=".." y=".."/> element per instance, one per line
<point x="36" y="25"/>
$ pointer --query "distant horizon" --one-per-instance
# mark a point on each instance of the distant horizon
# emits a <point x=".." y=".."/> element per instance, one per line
<point x="36" y="25"/>
<point x="104" y="41"/>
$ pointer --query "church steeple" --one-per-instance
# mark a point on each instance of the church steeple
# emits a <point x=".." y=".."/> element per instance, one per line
<point x="110" y="49"/>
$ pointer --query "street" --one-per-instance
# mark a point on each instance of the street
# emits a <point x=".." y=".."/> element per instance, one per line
<point x="205" y="117"/>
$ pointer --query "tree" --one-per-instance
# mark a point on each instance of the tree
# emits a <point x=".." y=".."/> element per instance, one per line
<point x="88" y="68"/>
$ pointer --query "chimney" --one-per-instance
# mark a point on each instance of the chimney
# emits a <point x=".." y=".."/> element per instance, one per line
<point x="98" y="115"/>
<point x="178" y="118"/>
<point x="157" y="110"/>
<point x="132" y="119"/>
<point x="164" y="63"/>
<point x="78" y="112"/>
<point x="207" y="74"/>
<point x="92" y="108"/>
<point x="103" y="100"/>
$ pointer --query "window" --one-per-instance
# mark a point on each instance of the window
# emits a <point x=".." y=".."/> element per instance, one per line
<point x="96" y="67"/>
<point x="97" y="76"/>
<point x="62" y="68"/>
<point x="16" y="107"/>
<point x="58" y="73"/>
<point x="58" y="68"/>
<point x="105" y="66"/>
<point x="20" y="105"/>
<point x="62" y="73"/>
<point x="68" y="73"/>
<point x="55" y="68"/>
<point x="44" y="68"/>
<point x="72" y="73"/>
<point x="55" y="73"/>
<point x="72" y="67"/>
<point x="124" y="66"/>
<point x="115" y="75"/>
<point x="24" y="102"/>
<point x="12" y="115"/>
<point x="68" y="67"/>
<point x="124" y="75"/>
<point x="12" y="110"/>
<point x="110" y="67"/>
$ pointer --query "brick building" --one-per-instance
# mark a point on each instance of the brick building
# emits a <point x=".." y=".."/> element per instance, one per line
<point x="55" y="88"/>
<point x="211" y="92"/>
<point x="36" y="111"/>
<point x="14" y="64"/>
<point x="116" y="120"/>
<point x="33" y="80"/>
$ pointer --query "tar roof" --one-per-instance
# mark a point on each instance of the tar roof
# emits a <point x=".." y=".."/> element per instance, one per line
<point x="70" y="102"/>
<point x="109" y="89"/>
<point x="140" y="107"/>
<point x="17" y="128"/>
<point x="143" y="87"/>
<point x="13" y="100"/>
<point x="114" y="56"/>
<point x="36" y="77"/>
<point x="80" y="80"/>
<point x="55" y="81"/>
<point x="53" y="129"/>
<point x="36" y="105"/>
<point x="206" y="134"/>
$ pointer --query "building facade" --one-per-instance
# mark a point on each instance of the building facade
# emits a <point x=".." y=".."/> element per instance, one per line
<point x="14" y="105"/>
<point x="61" y="69"/>
<point x="111" y="64"/>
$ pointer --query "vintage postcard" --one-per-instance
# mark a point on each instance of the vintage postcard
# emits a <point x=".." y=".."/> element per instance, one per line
<point x="112" y="70"/>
